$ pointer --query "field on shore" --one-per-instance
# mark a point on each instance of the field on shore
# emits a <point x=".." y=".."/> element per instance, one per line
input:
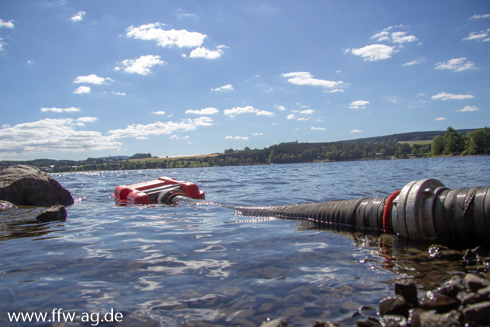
<point x="176" y="158"/>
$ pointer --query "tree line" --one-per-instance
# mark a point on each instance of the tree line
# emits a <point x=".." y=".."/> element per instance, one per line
<point x="451" y="142"/>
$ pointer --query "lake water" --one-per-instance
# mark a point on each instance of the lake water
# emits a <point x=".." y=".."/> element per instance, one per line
<point x="203" y="265"/>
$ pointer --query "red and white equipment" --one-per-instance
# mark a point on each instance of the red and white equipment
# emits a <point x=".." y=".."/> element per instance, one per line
<point x="153" y="191"/>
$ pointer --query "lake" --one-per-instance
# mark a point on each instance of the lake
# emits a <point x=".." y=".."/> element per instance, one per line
<point x="202" y="265"/>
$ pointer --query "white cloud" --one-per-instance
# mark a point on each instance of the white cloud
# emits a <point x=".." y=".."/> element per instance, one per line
<point x="78" y="17"/>
<point x="480" y="16"/>
<point x="141" y="65"/>
<point x="82" y="89"/>
<point x="413" y="62"/>
<point x="229" y="137"/>
<point x="227" y="87"/>
<point x="248" y="109"/>
<point x="359" y="104"/>
<point x="291" y="116"/>
<point x="305" y="78"/>
<point x="205" y="53"/>
<point x="441" y="118"/>
<point x="476" y="36"/>
<point x="456" y="65"/>
<point x="179" y="38"/>
<point x="374" y="52"/>
<point x="450" y="96"/>
<point x="468" y="109"/>
<point x="72" y="109"/>
<point x="87" y="119"/>
<point x="186" y="137"/>
<point x="282" y="108"/>
<point x="185" y="15"/>
<point x="158" y="112"/>
<point x="257" y="134"/>
<point x="141" y="138"/>
<point x="318" y="128"/>
<point x="334" y="91"/>
<point x="401" y="37"/>
<point x="205" y="111"/>
<point x="174" y="137"/>
<point x="395" y="37"/>
<point x="92" y="79"/>
<point x="160" y="128"/>
<point x="48" y="135"/>
<point x="304" y="119"/>
<point x="118" y="93"/>
<point x="8" y="24"/>
<point x="356" y="131"/>
<point x="307" y="112"/>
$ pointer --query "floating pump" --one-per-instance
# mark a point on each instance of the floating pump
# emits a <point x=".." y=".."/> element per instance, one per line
<point x="161" y="190"/>
<point x="423" y="210"/>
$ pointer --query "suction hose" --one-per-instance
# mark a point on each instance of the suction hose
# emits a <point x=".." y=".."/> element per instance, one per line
<point x="423" y="210"/>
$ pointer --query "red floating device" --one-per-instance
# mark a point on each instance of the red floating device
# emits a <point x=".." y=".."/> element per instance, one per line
<point x="151" y="191"/>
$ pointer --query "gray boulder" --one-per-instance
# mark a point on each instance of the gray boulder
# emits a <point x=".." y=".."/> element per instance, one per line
<point x="29" y="186"/>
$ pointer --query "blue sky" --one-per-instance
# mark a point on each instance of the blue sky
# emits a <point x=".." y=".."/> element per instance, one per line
<point x="93" y="78"/>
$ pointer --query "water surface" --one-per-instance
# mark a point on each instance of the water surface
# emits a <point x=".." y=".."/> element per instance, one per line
<point x="202" y="264"/>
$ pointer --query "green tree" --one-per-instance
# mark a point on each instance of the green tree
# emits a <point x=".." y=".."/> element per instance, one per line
<point x="437" y="145"/>
<point x="478" y="142"/>
<point x="453" y="141"/>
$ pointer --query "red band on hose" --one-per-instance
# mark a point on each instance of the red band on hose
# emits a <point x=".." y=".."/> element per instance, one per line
<point x="387" y="211"/>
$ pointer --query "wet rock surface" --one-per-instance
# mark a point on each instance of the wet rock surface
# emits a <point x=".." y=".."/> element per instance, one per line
<point x="26" y="185"/>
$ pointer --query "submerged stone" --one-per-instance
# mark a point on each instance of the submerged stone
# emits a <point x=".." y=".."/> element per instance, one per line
<point x="54" y="213"/>
<point x="479" y="312"/>
<point x="474" y="282"/>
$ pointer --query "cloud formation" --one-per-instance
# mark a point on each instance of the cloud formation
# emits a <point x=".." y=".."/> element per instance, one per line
<point x="159" y="128"/>
<point x="450" y="96"/>
<point x="140" y="65"/>
<point x="59" y="110"/>
<point x="356" y="131"/>
<point x="359" y="104"/>
<point x="305" y="78"/>
<point x="82" y="90"/>
<point x="480" y="16"/>
<point x="229" y="137"/>
<point x="318" y="128"/>
<point x="441" y="118"/>
<point x="205" y="111"/>
<point x="478" y="36"/>
<point x="374" y="52"/>
<point x="227" y="87"/>
<point x="394" y="37"/>
<point x="413" y="62"/>
<point x="49" y="135"/>
<point x="158" y="112"/>
<point x="456" y="65"/>
<point x="202" y="52"/>
<point x="78" y="17"/>
<point x="248" y="109"/>
<point x="468" y="109"/>
<point x="164" y="38"/>
<point x="8" y="24"/>
<point x="92" y="79"/>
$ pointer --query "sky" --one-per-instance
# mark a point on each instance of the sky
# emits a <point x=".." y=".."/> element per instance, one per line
<point x="94" y="78"/>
